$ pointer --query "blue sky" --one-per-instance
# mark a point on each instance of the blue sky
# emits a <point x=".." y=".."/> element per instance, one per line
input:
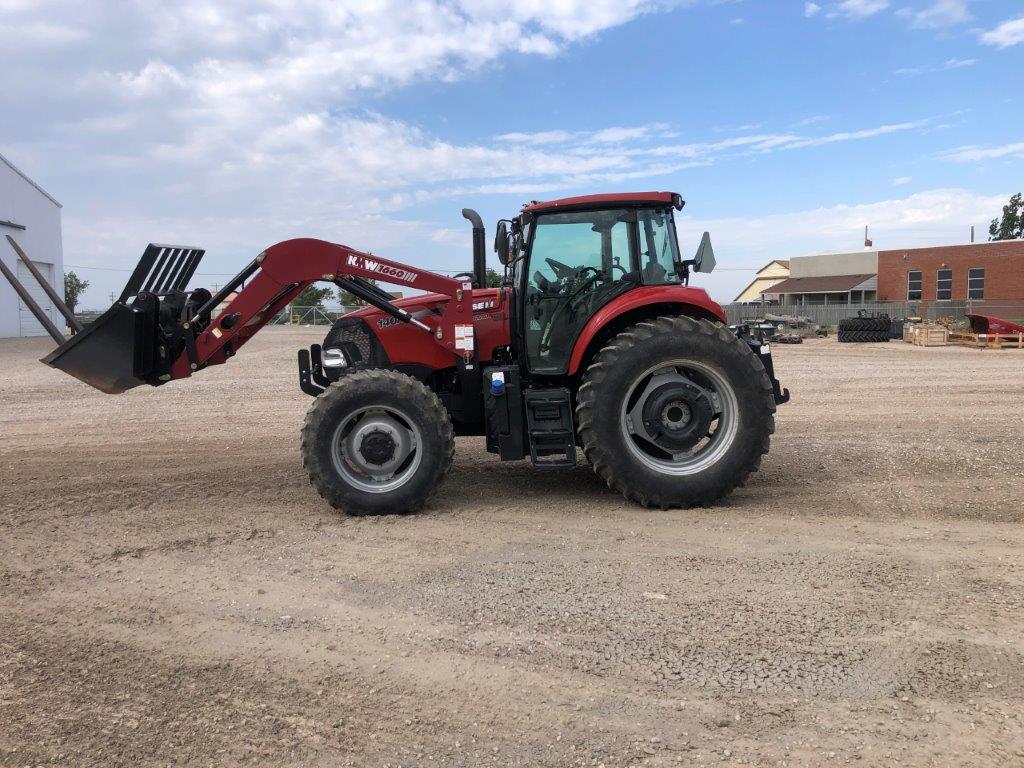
<point x="787" y="126"/>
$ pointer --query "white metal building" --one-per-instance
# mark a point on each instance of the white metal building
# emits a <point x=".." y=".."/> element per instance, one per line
<point x="32" y="217"/>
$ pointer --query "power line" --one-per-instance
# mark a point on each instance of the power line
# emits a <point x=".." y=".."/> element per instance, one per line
<point x="228" y="274"/>
<point x="433" y="269"/>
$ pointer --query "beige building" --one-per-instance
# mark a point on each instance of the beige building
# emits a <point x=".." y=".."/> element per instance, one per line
<point x="768" y="276"/>
<point x="828" y="278"/>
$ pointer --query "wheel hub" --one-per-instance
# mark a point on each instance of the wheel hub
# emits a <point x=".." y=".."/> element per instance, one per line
<point x="675" y="412"/>
<point x="378" y="447"/>
<point x="375" y="445"/>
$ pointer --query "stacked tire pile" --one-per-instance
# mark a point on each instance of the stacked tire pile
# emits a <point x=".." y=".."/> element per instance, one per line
<point x="865" y="329"/>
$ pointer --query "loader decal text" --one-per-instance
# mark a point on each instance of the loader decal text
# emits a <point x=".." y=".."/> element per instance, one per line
<point x="387" y="270"/>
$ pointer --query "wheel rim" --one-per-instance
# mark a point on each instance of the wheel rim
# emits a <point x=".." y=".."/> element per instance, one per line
<point x="377" y="449"/>
<point x="665" y="408"/>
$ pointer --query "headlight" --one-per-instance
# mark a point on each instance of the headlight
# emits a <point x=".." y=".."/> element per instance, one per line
<point x="334" y="358"/>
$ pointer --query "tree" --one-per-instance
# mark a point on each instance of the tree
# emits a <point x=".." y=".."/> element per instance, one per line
<point x="493" y="278"/>
<point x="1011" y="225"/>
<point x="73" y="289"/>
<point x="346" y="299"/>
<point x="311" y="296"/>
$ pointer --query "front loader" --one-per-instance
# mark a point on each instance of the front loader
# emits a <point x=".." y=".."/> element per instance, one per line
<point x="593" y="341"/>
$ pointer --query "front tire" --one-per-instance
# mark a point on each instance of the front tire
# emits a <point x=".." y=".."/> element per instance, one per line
<point x="377" y="442"/>
<point x="675" y="412"/>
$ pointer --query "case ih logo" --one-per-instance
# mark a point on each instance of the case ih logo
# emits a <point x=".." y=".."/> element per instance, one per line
<point x="382" y="269"/>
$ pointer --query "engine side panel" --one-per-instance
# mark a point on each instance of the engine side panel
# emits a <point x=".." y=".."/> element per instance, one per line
<point x="405" y="345"/>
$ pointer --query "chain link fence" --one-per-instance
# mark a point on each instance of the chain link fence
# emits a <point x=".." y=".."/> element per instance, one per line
<point x="293" y="315"/>
<point x="827" y="315"/>
<point x="831" y="314"/>
<point x="288" y="316"/>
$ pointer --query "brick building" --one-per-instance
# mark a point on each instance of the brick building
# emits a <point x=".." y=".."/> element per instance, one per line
<point x="990" y="272"/>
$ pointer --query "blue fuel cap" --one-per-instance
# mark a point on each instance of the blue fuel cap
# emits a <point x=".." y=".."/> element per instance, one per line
<point x="497" y="386"/>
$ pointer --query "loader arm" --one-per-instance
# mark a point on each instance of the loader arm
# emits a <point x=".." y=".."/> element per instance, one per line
<point x="283" y="271"/>
<point x="158" y="330"/>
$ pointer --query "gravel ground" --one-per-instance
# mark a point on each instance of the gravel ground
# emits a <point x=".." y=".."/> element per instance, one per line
<point x="173" y="592"/>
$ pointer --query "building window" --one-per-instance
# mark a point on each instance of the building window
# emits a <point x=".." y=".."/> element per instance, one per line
<point x="976" y="283"/>
<point x="944" y="284"/>
<point x="914" y="285"/>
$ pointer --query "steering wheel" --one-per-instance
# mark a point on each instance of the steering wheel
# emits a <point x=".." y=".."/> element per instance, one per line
<point x="572" y="302"/>
<point x="562" y="271"/>
<point x="574" y="298"/>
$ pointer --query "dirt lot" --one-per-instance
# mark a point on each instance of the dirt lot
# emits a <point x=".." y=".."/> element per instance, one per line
<point x="173" y="592"/>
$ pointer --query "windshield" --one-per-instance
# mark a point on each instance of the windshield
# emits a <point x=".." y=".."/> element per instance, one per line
<point x="659" y="252"/>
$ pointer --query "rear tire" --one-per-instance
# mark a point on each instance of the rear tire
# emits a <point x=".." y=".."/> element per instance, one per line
<point x="663" y="362"/>
<point x="377" y="442"/>
<point x="863" y="336"/>
<point x="865" y="324"/>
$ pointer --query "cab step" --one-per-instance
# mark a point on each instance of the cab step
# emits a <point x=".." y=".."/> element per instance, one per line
<point x="550" y="427"/>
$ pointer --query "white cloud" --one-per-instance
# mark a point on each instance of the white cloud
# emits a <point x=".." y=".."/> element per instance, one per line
<point x="811" y="9"/>
<point x="974" y="154"/>
<point x="237" y="124"/>
<point x="35" y="33"/>
<point x="611" y="135"/>
<point x="814" y="120"/>
<point x="953" y="63"/>
<point x="861" y="9"/>
<point x="942" y="14"/>
<point x="901" y="181"/>
<point x="1010" y="32"/>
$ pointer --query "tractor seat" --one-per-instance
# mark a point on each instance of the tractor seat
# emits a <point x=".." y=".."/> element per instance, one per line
<point x="653" y="272"/>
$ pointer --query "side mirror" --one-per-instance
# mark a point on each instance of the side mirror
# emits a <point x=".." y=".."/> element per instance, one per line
<point x="704" y="261"/>
<point x="501" y="242"/>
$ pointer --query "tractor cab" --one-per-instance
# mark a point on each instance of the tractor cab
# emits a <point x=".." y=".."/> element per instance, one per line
<point x="567" y="259"/>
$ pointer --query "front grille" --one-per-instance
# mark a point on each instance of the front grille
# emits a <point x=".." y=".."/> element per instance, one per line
<point x="354" y="335"/>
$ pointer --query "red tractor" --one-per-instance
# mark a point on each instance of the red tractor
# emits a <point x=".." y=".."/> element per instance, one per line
<point x="594" y="340"/>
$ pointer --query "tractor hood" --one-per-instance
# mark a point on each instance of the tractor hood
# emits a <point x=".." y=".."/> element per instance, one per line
<point x="430" y="303"/>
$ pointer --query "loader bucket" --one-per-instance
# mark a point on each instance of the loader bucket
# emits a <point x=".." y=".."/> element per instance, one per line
<point x="125" y="346"/>
<point x="115" y="352"/>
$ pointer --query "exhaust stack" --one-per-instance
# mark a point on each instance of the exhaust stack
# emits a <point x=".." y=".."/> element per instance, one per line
<point x="479" y="255"/>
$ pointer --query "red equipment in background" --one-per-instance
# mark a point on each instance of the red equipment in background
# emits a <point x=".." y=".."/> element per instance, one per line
<point x="989" y="324"/>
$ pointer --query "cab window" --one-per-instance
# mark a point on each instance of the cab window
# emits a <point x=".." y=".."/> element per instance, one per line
<point x="577" y="264"/>
<point x="659" y="251"/>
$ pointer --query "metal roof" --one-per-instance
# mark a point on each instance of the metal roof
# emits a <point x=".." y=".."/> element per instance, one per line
<point x="18" y="171"/>
<point x="586" y="201"/>
<point x="831" y="284"/>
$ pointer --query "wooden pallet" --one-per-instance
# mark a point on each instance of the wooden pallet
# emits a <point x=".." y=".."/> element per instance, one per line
<point x="988" y="340"/>
<point x="926" y="335"/>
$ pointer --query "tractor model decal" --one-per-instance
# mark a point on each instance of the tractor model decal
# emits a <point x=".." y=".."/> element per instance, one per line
<point x="359" y="262"/>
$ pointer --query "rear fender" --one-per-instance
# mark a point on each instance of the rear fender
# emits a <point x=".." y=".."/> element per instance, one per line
<point x="636" y="306"/>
